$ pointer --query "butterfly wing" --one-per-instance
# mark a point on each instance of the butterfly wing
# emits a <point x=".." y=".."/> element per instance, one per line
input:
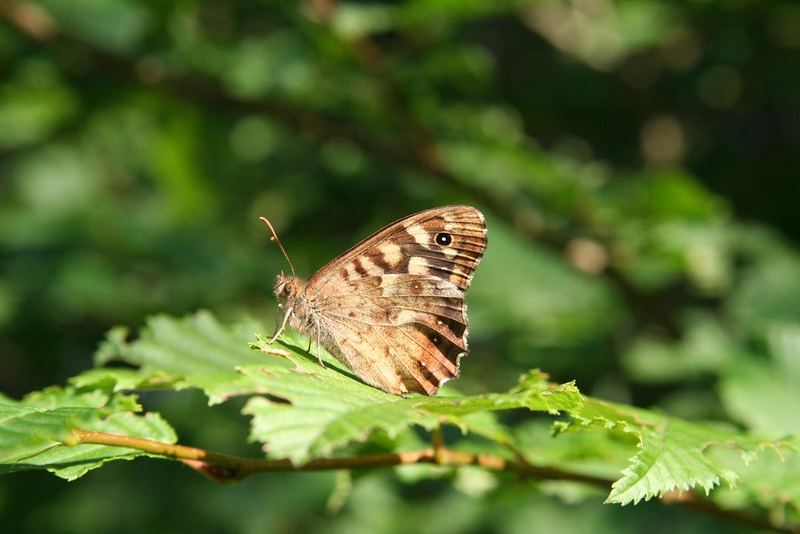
<point x="392" y="307"/>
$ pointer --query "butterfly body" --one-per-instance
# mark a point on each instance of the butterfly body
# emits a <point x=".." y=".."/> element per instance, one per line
<point x="392" y="307"/>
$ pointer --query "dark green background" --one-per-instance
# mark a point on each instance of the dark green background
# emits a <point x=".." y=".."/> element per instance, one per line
<point x="637" y="162"/>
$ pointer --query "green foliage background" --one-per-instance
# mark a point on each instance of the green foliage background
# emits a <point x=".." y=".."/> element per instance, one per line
<point x="636" y="160"/>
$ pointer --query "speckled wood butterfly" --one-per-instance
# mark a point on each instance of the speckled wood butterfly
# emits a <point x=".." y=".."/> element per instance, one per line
<point x="392" y="307"/>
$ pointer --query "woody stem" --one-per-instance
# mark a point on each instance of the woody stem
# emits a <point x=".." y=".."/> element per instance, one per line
<point x="225" y="468"/>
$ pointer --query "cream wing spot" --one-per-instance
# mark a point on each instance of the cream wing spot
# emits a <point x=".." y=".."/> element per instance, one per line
<point x="417" y="265"/>
<point x="370" y="267"/>
<point x="392" y="253"/>
<point x="420" y="237"/>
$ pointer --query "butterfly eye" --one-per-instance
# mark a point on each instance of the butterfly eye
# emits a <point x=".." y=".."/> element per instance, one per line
<point x="443" y="238"/>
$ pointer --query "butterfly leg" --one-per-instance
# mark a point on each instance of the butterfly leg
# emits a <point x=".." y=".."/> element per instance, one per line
<point x="281" y="328"/>
<point x="308" y="350"/>
<point x="319" y="354"/>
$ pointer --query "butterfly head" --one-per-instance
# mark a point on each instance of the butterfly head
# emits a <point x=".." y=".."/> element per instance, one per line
<point x="287" y="288"/>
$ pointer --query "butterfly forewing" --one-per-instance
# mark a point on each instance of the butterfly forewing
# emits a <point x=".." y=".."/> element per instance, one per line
<point x="392" y="307"/>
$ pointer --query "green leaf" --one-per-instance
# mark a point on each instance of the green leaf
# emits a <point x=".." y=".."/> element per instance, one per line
<point x="600" y="454"/>
<point x="327" y="410"/>
<point x="766" y="294"/>
<point x="765" y="398"/>
<point x="37" y="432"/>
<point x="114" y="24"/>
<point x="27" y="431"/>
<point x="764" y="392"/>
<point x="772" y="482"/>
<point x="306" y="410"/>
<point x="705" y="348"/>
<point x="75" y="461"/>
<point x="195" y="351"/>
<point x="673" y="453"/>
<point x="32" y="105"/>
<point x="544" y="301"/>
<point x="302" y="410"/>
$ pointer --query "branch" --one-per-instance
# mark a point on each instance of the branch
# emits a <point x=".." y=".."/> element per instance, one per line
<point x="228" y="468"/>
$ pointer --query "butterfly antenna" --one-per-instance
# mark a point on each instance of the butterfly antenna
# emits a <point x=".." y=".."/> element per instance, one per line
<point x="278" y="241"/>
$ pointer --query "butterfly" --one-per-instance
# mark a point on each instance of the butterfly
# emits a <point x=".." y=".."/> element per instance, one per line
<point x="391" y="308"/>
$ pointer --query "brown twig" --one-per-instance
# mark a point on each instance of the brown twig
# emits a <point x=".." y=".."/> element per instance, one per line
<point x="235" y="467"/>
<point x="228" y="468"/>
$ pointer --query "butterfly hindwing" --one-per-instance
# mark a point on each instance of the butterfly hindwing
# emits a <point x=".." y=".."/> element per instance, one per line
<point x="392" y="307"/>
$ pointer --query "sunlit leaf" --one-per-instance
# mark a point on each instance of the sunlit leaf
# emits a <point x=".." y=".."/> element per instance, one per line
<point x="672" y="453"/>
<point x="301" y="409"/>
<point x="37" y="433"/>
